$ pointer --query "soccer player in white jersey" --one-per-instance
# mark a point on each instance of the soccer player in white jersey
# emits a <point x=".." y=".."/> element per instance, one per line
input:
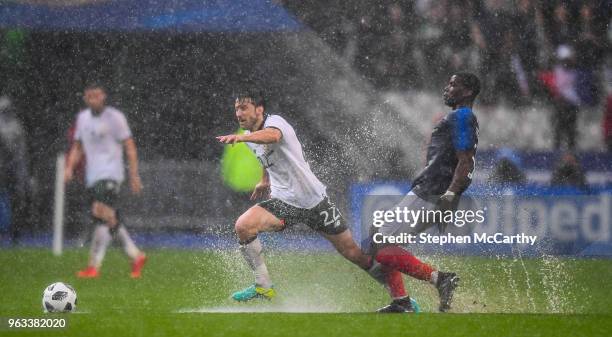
<point x="296" y="196"/>
<point x="102" y="133"/>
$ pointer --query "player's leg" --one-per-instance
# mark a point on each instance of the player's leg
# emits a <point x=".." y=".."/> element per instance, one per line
<point x="111" y="216"/>
<point x="255" y="220"/>
<point x="138" y="257"/>
<point x="398" y="258"/>
<point x="392" y="279"/>
<point x="327" y="219"/>
<point x="105" y="211"/>
<point x="394" y="256"/>
<point x="401" y="303"/>
<point x="100" y="241"/>
<point x="345" y="245"/>
<point x="101" y="234"/>
<point x="105" y="194"/>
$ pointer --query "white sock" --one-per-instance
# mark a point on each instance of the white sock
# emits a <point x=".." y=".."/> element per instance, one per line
<point x="128" y="244"/>
<point x="252" y="254"/>
<point x="101" y="240"/>
<point x="434" y="277"/>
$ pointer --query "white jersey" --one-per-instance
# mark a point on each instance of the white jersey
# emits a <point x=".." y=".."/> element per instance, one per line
<point x="102" y="139"/>
<point x="291" y="179"/>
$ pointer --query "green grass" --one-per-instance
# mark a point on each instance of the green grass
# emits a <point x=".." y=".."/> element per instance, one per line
<point x="185" y="293"/>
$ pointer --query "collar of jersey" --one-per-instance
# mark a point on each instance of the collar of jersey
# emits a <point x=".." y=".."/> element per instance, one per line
<point x="97" y="115"/>
<point x="463" y="110"/>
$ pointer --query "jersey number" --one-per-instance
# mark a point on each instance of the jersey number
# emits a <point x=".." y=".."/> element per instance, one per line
<point x="333" y="219"/>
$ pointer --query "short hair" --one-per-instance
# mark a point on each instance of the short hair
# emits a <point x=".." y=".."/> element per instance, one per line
<point x="94" y="85"/>
<point x="255" y="96"/>
<point x="471" y="82"/>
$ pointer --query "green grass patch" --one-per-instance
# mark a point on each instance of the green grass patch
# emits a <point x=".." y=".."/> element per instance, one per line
<point x="186" y="292"/>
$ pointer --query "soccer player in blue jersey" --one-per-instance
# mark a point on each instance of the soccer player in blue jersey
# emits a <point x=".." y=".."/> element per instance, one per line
<point x="447" y="174"/>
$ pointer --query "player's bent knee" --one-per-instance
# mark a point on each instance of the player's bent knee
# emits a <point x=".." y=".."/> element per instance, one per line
<point x="243" y="227"/>
<point x="103" y="212"/>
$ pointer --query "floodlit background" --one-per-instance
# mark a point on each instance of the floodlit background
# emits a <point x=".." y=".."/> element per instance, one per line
<point x="361" y="82"/>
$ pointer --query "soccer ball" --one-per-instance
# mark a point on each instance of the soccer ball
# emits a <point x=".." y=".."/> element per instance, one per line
<point x="59" y="297"/>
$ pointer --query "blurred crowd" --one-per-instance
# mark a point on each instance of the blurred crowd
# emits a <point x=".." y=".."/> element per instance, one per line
<point x="416" y="43"/>
<point x="522" y="49"/>
<point x="176" y="86"/>
<point x="509" y="170"/>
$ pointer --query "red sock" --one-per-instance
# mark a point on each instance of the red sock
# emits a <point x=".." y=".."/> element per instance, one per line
<point x="395" y="282"/>
<point x="398" y="258"/>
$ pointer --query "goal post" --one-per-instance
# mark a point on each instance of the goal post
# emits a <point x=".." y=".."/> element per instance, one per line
<point x="58" y="206"/>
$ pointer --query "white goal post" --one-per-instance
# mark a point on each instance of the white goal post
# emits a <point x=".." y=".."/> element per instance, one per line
<point x="58" y="206"/>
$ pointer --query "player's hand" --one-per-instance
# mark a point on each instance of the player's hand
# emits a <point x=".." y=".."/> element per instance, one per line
<point x="262" y="190"/>
<point x="135" y="185"/>
<point x="230" y="139"/>
<point x="68" y="175"/>
<point x="447" y="202"/>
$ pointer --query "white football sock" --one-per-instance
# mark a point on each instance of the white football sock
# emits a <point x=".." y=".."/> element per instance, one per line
<point x="101" y="240"/>
<point x="252" y="254"/>
<point x="128" y="244"/>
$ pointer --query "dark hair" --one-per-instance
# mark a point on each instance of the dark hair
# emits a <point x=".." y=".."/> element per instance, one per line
<point x="95" y="85"/>
<point x="253" y="95"/>
<point x="471" y="82"/>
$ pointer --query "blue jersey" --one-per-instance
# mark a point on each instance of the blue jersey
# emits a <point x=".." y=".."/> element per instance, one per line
<point x="457" y="131"/>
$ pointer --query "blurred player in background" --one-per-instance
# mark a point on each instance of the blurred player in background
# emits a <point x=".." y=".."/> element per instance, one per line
<point x="102" y="133"/>
<point x="447" y="174"/>
<point x="296" y="196"/>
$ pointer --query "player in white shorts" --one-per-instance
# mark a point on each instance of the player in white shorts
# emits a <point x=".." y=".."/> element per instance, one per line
<point x="295" y="196"/>
<point x="102" y="133"/>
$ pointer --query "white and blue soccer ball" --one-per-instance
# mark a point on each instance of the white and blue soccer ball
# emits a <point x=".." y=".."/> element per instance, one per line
<point x="59" y="297"/>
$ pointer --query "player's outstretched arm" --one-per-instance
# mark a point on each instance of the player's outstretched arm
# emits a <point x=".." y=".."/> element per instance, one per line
<point x="74" y="156"/>
<point x="132" y="157"/>
<point x="266" y="136"/>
